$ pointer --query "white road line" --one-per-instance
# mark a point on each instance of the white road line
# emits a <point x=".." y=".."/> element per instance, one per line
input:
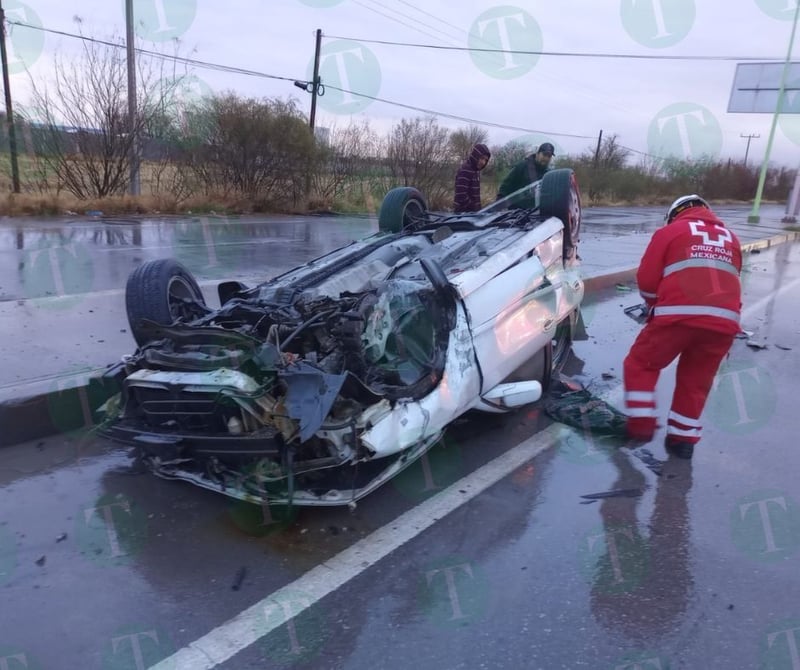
<point x="255" y="622"/>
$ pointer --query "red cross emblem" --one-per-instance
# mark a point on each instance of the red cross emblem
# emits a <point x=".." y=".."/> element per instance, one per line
<point x="712" y="234"/>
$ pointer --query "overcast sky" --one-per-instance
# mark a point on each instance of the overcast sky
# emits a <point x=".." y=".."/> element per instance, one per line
<point x="655" y="106"/>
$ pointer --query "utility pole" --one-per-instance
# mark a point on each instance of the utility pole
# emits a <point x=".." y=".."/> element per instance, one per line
<point x="312" y="119"/>
<point x="754" y="216"/>
<point x="133" y="125"/>
<point x="12" y="133"/>
<point x="747" y="151"/>
<point x="597" y="151"/>
<point x="315" y="83"/>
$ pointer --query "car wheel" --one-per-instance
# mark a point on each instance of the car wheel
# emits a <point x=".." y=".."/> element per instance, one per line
<point x="561" y="197"/>
<point x="162" y="291"/>
<point x="561" y="343"/>
<point x="400" y="207"/>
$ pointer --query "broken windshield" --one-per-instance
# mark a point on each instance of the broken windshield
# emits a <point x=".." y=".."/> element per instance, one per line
<point x="399" y="335"/>
<point x="525" y="198"/>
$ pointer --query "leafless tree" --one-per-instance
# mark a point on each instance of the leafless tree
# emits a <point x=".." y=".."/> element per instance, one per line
<point x="349" y="153"/>
<point x="509" y="154"/>
<point x="463" y="139"/>
<point x="85" y="132"/>
<point x="419" y="154"/>
<point x="612" y="155"/>
<point x="171" y="174"/>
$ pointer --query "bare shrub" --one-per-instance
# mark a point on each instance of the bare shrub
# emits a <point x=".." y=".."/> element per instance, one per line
<point x="259" y="149"/>
<point x="85" y="133"/>
<point x="463" y="139"/>
<point x="344" y="161"/>
<point x="419" y="154"/>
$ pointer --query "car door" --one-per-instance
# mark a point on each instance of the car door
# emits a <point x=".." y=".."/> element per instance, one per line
<point x="515" y="300"/>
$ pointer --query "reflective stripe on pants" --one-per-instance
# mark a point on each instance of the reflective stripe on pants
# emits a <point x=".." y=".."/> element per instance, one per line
<point x="699" y="353"/>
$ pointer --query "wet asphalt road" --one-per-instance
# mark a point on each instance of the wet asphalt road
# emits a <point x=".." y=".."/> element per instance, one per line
<point x="62" y="281"/>
<point x="699" y="571"/>
<point x="41" y="258"/>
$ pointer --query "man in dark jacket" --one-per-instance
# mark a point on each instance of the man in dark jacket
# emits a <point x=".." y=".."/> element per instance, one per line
<point x="468" y="180"/>
<point x="527" y="171"/>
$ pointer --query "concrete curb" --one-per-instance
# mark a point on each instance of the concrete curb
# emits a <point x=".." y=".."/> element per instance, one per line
<point x="610" y="279"/>
<point x="789" y="236"/>
<point x="626" y="275"/>
<point x="65" y="409"/>
<point x="70" y="407"/>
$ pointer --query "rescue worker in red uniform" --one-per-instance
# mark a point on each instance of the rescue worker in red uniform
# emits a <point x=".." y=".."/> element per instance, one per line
<point x="689" y="277"/>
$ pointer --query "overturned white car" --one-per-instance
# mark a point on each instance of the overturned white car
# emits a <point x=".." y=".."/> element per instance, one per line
<point x="317" y="386"/>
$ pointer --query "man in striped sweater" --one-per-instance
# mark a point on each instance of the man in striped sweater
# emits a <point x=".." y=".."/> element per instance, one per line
<point x="689" y="277"/>
<point x="468" y="180"/>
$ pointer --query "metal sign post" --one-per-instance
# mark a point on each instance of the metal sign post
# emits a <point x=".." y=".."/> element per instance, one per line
<point x="753" y="91"/>
<point x="793" y="205"/>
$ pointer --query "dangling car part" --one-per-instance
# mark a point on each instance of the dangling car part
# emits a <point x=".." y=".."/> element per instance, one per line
<point x="319" y="385"/>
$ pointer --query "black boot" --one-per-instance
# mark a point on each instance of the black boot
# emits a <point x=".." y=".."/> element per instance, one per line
<point x="679" y="449"/>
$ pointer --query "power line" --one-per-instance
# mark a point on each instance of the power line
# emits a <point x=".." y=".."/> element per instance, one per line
<point x="155" y="54"/>
<point x="254" y="73"/>
<point x="455" y="116"/>
<point x="479" y="39"/>
<point x="410" y="17"/>
<point x="392" y="18"/>
<point x="226" y="68"/>
<point x="572" y="54"/>
<point x="433" y="16"/>
<point x="475" y="37"/>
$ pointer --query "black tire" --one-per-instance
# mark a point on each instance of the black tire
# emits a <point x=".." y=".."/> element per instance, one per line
<point x="157" y="291"/>
<point x="561" y="344"/>
<point x="561" y="197"/>
<point x="400" y="207"/>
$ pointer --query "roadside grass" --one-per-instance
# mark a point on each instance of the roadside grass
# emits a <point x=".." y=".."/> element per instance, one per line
<point x="355" y="195"/>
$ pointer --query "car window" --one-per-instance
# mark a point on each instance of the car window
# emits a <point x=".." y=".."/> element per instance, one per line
<point x="525" y="198"/>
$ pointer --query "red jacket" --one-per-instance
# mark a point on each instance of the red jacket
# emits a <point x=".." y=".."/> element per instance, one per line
<point x="690" y="273"/>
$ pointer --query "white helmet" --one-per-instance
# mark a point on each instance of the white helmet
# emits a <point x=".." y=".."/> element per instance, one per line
<point x="683" y="203"/>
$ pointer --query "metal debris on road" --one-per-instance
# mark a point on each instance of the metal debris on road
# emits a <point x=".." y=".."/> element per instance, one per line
<point x="638" y="313"/>
<point x="755" y="344"/>
<point x="240" y="575"/>
<point x="40" y="561"/>
<point x="580" y="409"/>
<point x="782" y="348"/>
<point x="646" y="456"/>
<point x="616" y="493"/>
<point x="61" y="537"/>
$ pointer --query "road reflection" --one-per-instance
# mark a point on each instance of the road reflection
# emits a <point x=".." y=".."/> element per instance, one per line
<point x="643" y="580"/>
<point x="85" y="255"/>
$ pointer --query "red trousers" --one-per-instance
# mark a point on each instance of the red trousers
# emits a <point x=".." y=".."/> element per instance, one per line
<point x="700" y="353"/>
